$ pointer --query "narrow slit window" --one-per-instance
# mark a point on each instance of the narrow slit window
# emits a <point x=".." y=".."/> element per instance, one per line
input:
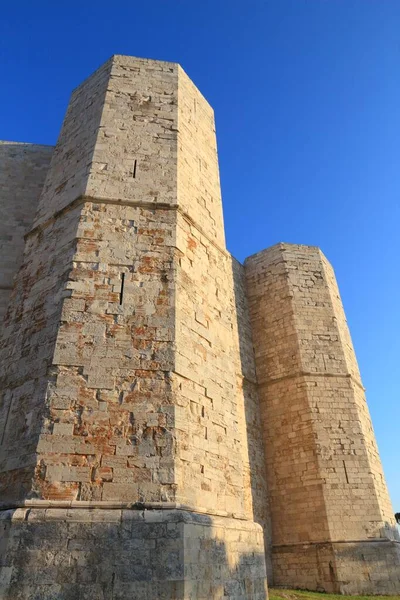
<point x="121" y="294"/>
<point x="345" y="472"/>
<point x="134" y="169"/>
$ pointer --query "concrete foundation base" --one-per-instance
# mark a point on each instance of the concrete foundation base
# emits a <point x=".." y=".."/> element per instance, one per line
<point x="116" y="554"/>
<point x="364" y="567"/>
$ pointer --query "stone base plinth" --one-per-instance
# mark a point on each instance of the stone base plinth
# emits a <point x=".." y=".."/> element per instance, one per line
<point x="364" y="567"/>
<point x="116" y="554"/>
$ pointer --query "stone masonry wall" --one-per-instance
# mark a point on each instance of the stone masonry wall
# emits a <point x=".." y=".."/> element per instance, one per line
<point x="150" y="393"/>
<point x="216" y="435"/>
<point x="22" y="174"/>
<point x="375" y="464"/>
<point x="27" y="348"/>
<point x="110" y="410"/>
<point x="294" y="485"/>
<point x="144" y="368"/>
<point x="199" y="189"/>
<point x="72" y="160"/>
<point x="107" y="354"/>
<point x="324" y="475"/>
<point x="220" y="456"/>
<point x="31" y="326"/>
<point x="73" y="553"/>
<point x="118" y="389"/>
<point x="135" y="158"/>
<point x="254" y="460"/>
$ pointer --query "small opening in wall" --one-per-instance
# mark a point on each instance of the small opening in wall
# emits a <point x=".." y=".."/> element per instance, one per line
<point x="134" y="169"/>
<point x="345" y="472"/>
<point x="121" y="294"/>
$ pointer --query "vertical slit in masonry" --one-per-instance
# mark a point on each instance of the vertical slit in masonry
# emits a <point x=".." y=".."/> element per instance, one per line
<point x="6" y="422"/>
<point x="134" y="169"/>
<point x="345" y="472"/>
<point x="121" y="294"/>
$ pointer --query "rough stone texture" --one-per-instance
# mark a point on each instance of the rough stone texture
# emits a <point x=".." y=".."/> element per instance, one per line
<point x="119" y="554"/>
<point x="129" y="377"/>
<point x="123" y="382"/>
<point x="328" y="497"/>
<point x="346" y="567"/>
<point x="22" y="174"/>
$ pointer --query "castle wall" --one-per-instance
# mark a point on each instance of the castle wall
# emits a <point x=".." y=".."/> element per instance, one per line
<point x="296" y="498"/>
<point x="199" y="189"/>
<point x="128" y="153"/>
<point x="211" y="460"/>
<point x="22" y="174"/>
<point x="157" y="395"/>
<point x="218" y="391"/>
<point x="366" y="427"/>
<point x="135" y="158"/>
<point x="72" y="161"/>
<point x="221" y="457"/>
<point x="108" y="342"/>
<point x="115" y="344"/>
<point x="114" y="349"/>
<point x="324" y="475"/>
<point x="31" y="327"/>
<point x="163" y="554"/>
<point x="26" y="351"/>
<point x="254" y="460"/>
<point x="138" y="393"/>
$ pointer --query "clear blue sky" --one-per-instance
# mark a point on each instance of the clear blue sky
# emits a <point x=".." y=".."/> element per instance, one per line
<point x="307" y="97"/>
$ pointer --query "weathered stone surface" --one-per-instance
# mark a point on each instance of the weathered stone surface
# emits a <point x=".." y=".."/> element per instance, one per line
<point x="135" y="352"/>
<point x="124" y="372"/>
<point x="22" y="174"/>
<point x="333" y="526"/>
<point x="77" y="553"/>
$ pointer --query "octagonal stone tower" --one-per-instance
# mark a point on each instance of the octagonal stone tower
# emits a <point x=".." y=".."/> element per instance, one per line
<point x="171" y="421"/>
<point x="333" y="526"/>
<point x="129" y="420"/>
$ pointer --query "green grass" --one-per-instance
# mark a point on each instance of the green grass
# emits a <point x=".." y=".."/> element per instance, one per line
<point x="278" y="594"/>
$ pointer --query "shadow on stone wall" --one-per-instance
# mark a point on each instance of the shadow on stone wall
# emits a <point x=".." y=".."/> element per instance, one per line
<point x="390" y="531"/>
<point x="254" y="433"/>
<point x="369" y="567"/>
<point x="115" y="555"/>
<point x="32" y="319"/>
<point x="23" y="168"/>
<point x="31" y="326"/>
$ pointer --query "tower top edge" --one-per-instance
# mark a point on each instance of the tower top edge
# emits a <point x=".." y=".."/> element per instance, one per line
<point x="126" y="59"/>
<point x="117" y="57"/>
<point x="30" y="144"/>
<point x="285" y="246"/>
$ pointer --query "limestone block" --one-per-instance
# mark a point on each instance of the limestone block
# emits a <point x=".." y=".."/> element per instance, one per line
<point x="143" y="554"/>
